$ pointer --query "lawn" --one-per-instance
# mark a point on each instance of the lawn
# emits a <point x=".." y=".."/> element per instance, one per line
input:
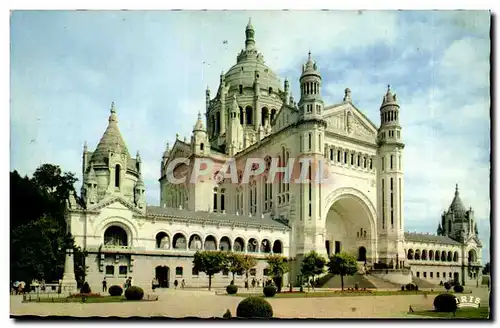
<point x="462" y="313"/>
<point x="339" y="294"/>
<point x="102" y="299"/>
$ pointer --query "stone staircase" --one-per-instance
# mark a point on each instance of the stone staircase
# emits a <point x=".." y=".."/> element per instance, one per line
<point x="421" y="283"/>
<point x="330" y="281"/>
<point x="382" y="283"/>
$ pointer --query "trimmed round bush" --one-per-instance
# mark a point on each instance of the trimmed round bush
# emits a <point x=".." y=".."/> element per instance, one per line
<point x="232" y="289"/>
<point x="445" y="303"/>
<point x="85" y="288"/>
<point x="447" y="285"/>
<point x="402" y="287"/>
<point x="356" y="286"/>
<point x="115" y="290"/>
<point x="269" y="291"/>
<point x="411" y="286"/>
<point x="254" y="307"/>
<point x="458" y="289"/>
<point x="134" y="293"/>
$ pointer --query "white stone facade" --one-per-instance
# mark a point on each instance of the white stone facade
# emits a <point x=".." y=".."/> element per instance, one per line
<point x="359" y="209"/>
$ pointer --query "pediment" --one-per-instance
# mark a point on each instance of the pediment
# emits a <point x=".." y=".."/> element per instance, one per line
<point x="474" y="241"/>
<point x="348" y="119"/>
<point x="115" y="203"/>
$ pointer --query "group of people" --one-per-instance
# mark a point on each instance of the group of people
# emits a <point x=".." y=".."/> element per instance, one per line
<point x="127" y="284"/>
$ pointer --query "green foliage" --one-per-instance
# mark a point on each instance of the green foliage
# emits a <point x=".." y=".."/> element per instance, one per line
<point x="115" y="290"/>
<point x="458" y="289"/>
<point x="39" y="240"/>
<point x="487" y="268"/>
<point x="234" y="262"/>
<point x="134" y="293"/>
<point x="85" y="288"/>
<point x="232" y="289"/>
<point x="445" y="303"/>
<point x="254" y="307"/>
<point x="447" y="285"/>
<point x="411" y="286"/>
<point x="356" y="286"/>
<point x="313" y="264"/>
<point x="342" y="264"/>
<point x="277" y="266"/>
<point x="210" y="262"/>
<point x="248" y="262"/>
<point x="269" y="291"/>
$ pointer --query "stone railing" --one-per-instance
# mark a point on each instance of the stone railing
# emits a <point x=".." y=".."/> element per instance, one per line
<point x="116" y="247"/>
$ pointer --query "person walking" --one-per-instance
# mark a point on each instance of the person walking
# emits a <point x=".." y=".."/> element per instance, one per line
<point x="176" y="283"/>
<point x="183" y="284"/>
<point x="104" y="285"/>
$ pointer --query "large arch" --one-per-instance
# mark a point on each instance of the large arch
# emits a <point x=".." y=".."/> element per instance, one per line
<point x="115" y="235"/>
<point x="125" y="224"/>
<point x="348" y="211"/>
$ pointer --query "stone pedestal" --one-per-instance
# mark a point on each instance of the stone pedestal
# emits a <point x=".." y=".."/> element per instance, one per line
<point x="68" y="282"/>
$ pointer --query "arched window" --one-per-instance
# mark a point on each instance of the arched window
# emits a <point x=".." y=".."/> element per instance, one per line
<point x="225" y="244"/>
<point x="222" y="199"/>
<point x="117" y="176"/>
<point x="241" y="116"/>
<point x="273" y="114"/>
<point x="240" y="89"/>
<point x="215" y="199"/>
<point x="277" y="247"/>
<point x="115" y="236"/>
<point x="202" y="146"/>
<point x="248" y="111"/>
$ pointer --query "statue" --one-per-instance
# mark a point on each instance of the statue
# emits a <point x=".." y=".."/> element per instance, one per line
<point x="180" y="243"/>
<point x="252" y="246"/>
<point x="210" y="245"/>
<point x="264" y="245"/>
<point x="195" y="243"/>
<point x="165" y="243"/>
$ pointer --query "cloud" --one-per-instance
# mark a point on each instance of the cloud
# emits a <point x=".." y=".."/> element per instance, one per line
<point x="67" y="67"/>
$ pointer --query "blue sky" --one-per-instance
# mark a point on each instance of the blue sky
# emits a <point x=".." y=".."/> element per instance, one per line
<point x="68" y="66"/>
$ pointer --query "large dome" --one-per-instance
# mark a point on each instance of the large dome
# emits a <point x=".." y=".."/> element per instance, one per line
<point x="248" y="62"/>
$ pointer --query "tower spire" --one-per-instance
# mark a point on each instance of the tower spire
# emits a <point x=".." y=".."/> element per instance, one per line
<point x="250" y="34"/>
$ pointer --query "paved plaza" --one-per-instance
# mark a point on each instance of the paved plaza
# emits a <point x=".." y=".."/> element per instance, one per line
<point x="196" y="303"/>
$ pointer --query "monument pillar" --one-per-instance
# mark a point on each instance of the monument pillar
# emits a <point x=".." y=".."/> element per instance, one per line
<point x="68" y="283"/>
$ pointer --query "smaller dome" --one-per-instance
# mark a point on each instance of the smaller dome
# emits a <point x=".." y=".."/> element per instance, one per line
<point x="389" y="98"/>
<point x="199" y="124"/>
<point x="457" y="207"/>
<point x="310" y="67"/>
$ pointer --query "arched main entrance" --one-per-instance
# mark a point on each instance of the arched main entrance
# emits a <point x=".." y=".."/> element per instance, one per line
<point x="362" y="253"/>
<point x="350" y="226"/>
<point x="163" y="276"/>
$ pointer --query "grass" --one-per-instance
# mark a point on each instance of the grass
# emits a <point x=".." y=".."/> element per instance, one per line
<point x="462" y="313"/>
<point x="340" y="294"/>
<point x="102" y="299"/>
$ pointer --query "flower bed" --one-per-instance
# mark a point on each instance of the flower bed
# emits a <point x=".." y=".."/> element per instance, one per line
<point x="84" y="295"/>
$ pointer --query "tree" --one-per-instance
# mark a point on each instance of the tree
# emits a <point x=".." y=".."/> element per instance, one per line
<point x="248" y="263"/>
<point x="234" y="263"/>
<point x="487" y="268"/>
<point x="210" y="262"/>
<point x="39" y="237"/>
<point x="313" y="264"/>
<point x="277" y="266"/>
<point x="342" y="264"/>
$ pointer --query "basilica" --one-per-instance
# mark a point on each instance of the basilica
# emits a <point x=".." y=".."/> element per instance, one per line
<point x="252" y="114"/>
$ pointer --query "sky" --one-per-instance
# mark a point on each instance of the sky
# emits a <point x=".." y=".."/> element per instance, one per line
<point x="68" y="66"/>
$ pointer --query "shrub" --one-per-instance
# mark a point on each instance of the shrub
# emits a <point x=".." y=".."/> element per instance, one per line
<point x="85" y="288"/>
<point x="254" y="307"/>
<point x="458" y="289"/>
<point x="447" y="285"/>
<point x="115" y="290"/>
<point x="134" y="293"/>
<point x="269" y="291"/>
<point x="402" y="287"/>
<point x="228" y="314"/>
<point x="416" y="288"/>
<point x="232" y="289"/>
<point x="411" y="286"/>
<point x="356" y="286"/>
<point x="445" y="303"/>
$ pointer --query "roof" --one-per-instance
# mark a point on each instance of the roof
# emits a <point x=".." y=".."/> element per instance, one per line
<point x="425" y="238"/>
<point x="457" y="206"/>
<point x="210" y="217"/>
<point x="111" y="140"/>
